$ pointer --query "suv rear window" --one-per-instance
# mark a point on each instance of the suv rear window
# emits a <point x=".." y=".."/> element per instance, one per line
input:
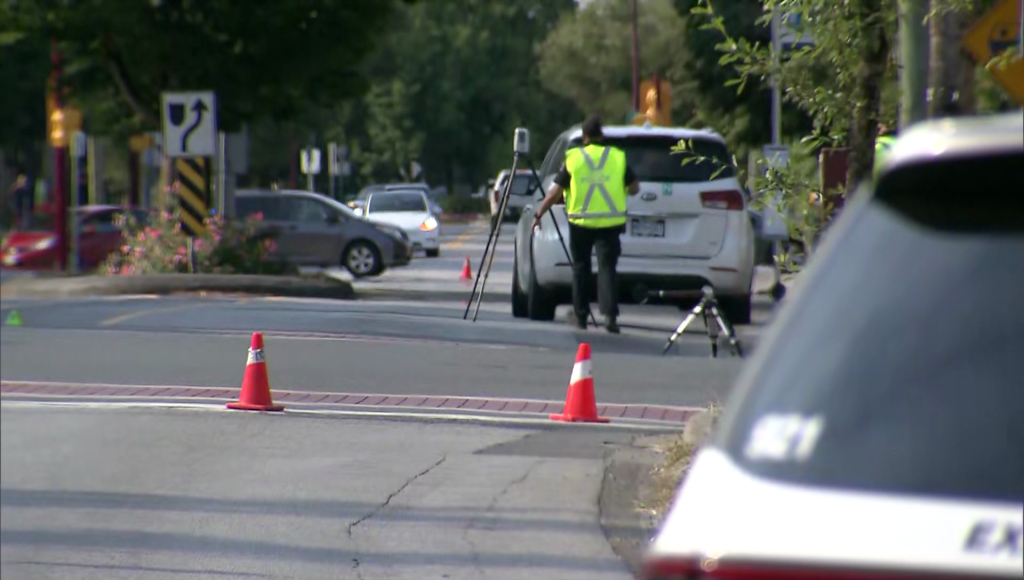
<point x="651" y="159"/>
<point x="907" y="345"/>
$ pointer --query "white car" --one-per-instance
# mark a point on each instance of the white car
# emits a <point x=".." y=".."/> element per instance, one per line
<point x="410" y="210"/>
<point x="876" y="433"/>
<point x="521" y="194"/>
<point x="686" y="228"/>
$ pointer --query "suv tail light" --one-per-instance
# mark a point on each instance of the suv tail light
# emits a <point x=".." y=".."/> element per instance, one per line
<point x="730" y="199"/>
<point x="677" y="569"/>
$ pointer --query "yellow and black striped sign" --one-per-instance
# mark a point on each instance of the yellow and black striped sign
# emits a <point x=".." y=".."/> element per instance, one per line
<point x="193" y="194"/>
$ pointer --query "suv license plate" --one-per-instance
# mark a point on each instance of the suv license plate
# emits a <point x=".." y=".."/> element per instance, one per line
<point x="641" y="228"/>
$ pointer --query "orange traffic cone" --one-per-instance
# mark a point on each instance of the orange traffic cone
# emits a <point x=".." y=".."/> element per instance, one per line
<point x="467" y="274"/>
<point x="580" y="404"/>
<point x="255" y="395"/>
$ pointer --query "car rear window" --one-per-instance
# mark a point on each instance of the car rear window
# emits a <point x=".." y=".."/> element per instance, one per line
<point x="901" y="366"/>
<point x="397" y="201"/>
<point x="651" y="159"/>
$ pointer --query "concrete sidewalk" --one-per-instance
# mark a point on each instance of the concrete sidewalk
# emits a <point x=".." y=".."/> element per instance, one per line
<point x="155" y="494"/>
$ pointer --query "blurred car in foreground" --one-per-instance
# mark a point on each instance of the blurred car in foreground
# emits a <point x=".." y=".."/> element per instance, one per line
<point x="409" y="210"/>
<point x="876" y="432"/>
<point x="99" y="236"/>
<point x="315" y="230"/>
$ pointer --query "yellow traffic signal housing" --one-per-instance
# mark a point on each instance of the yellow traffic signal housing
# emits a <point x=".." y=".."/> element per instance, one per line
<point x="61" y="122"/>
<point x="655" y="103"/>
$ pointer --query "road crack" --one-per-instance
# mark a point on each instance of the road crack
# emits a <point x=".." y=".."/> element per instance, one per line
<point x="384" y="504"/>
<point x="395" y="494"/>
<point x="471" y="525"/>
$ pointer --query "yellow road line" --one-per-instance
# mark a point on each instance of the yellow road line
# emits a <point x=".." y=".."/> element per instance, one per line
<point x="145" y="312"/>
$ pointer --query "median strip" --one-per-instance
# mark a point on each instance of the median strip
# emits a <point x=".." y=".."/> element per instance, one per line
<point x="632" y="412"/>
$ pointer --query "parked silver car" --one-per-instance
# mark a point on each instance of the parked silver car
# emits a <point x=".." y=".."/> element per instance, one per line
<point x="315" y="230"/>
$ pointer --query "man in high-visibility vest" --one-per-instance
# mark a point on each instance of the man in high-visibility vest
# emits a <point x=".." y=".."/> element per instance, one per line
<point x="594" y="182"/>
<point x="883" y="144"/>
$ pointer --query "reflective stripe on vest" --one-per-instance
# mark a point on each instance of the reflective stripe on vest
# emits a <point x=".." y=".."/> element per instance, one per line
<point x="596" y="179"/>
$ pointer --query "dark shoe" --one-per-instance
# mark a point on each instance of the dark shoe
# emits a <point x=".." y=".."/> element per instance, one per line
<point x="612" y="326"/>
<point x="580" y="323"/>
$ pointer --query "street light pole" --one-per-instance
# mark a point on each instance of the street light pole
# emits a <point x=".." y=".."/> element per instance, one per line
<point x="636" y="61"/>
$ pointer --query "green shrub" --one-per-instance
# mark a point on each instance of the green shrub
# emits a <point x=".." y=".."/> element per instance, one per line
<point x="228" y="247"/>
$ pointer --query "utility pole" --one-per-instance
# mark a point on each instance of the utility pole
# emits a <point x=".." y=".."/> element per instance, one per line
<point x="913" y="58"/>
<point x="59" y="162"/>
<point x="775" y="81"/>
<point x="636" y="60"/>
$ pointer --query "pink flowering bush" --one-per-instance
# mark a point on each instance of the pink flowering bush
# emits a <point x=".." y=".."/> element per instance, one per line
<point x="228" y="247"/>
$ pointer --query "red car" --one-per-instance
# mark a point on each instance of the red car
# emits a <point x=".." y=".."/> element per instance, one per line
<point x="36" y="249"/>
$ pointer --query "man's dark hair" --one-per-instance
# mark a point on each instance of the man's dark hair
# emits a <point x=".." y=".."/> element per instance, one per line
<point x="592" y="127"/>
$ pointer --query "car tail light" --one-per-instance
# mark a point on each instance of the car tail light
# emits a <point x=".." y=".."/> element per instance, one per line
<point x="729" y="199"/>
<point x="677" y="569"/>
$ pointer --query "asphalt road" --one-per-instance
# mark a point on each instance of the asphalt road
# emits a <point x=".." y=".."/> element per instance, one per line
<point x="154" y="494"/>
<point x="100" y="491"/>
<point x="337" y="345"/>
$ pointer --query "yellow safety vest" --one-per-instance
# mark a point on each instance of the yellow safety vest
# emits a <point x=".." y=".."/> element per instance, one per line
<point x="604" y="177"/>
<point x="883" y="145"/>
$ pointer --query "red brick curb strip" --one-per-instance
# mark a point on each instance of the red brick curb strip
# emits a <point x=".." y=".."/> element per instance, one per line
<point x="637" y="412"/>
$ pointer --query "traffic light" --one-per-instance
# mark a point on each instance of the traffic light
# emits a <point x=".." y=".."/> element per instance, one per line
<point x="61" y="122"/>
<point x="655" y="103"/>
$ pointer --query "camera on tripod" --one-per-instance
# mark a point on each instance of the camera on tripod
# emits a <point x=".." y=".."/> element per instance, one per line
<point x="521" y="141"/>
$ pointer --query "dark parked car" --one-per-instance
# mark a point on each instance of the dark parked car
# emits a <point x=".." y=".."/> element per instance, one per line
<point x="315" y="230"/>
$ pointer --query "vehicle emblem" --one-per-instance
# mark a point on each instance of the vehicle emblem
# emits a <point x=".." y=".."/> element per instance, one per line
<point x="649" y="196"/>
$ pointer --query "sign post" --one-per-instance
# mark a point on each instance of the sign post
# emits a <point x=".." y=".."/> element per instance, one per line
<point x="310" y="162"/>
<point x="190" y="138"/>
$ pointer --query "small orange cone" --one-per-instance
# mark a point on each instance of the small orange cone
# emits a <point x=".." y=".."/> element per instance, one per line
<point x="580" y="403"/>
<point x="255" y="395"/>
<point x="467" y="274"/>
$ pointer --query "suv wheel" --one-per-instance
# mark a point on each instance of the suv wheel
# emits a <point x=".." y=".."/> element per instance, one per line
<point x="519" y="300"/>
<point x="362" y="259"/>
<point x="736" y="309"/>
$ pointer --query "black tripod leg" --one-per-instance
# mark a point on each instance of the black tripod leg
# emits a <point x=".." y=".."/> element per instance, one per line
<point x="491" y="246"/>
<point x="561" y="239"/>
<point x="712" y="330"/>
<point x="697" y="311"/>
<point x="734" y="342"/>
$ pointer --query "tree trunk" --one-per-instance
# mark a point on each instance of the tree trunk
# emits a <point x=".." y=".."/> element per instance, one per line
<point x="874" y="48"/>
<point x="951" y="71"/>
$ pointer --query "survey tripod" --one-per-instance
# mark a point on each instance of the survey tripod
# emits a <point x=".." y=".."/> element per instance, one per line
<point x="492" y="239"/>
<point x="708" y="310"/>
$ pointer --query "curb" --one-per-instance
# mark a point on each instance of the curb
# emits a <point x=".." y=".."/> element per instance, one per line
<point x="293" y="286"/>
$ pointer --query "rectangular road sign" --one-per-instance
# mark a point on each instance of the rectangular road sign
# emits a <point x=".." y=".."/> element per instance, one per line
<point x="189" y="124"/>
<point x="193" y="194"/>
<point x="310" y="161"/>
<point x="991" y="36"/>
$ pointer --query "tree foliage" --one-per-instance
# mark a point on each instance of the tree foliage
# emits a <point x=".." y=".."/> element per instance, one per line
<point x="264" y="58"/>
<point x="587" y="57"/>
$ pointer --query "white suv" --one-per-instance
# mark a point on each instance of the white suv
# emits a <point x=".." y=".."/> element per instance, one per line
<point x="687" y="227"/>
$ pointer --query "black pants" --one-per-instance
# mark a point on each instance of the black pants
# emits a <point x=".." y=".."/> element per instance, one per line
<point x="582" y="243"/>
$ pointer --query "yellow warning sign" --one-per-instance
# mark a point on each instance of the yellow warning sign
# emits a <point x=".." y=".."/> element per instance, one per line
<point x="991" y="36"/>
